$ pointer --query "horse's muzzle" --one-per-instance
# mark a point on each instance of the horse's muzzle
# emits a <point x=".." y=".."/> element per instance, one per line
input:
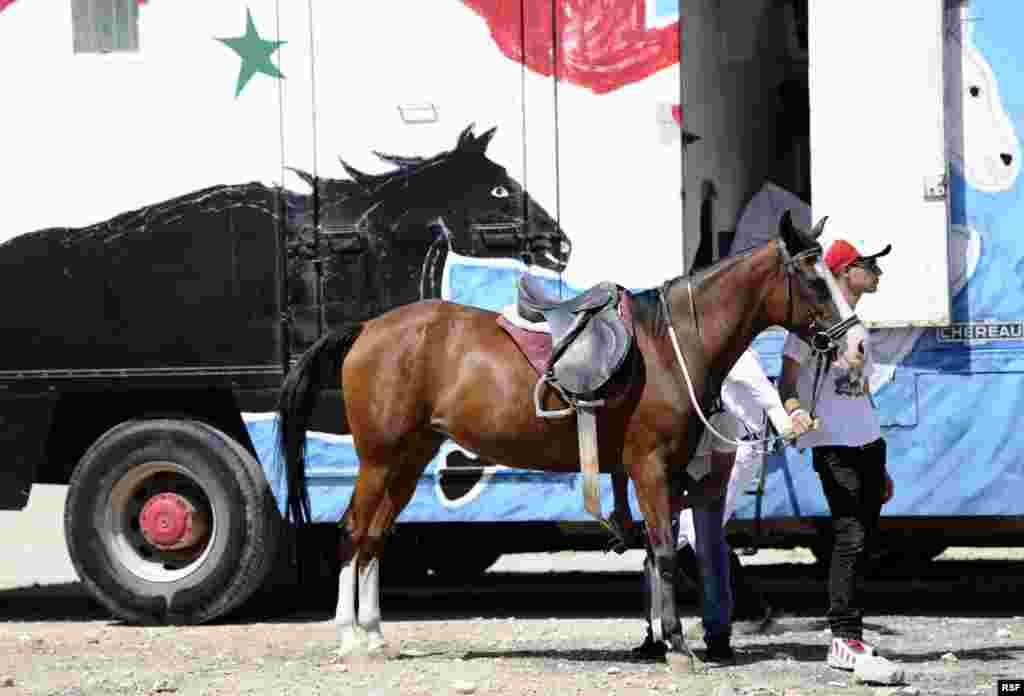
<point x="550" y="250"/>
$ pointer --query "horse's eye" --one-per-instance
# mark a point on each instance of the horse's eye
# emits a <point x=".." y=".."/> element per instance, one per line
<point x="499" y="192"/>
<point x="975" y="91"/>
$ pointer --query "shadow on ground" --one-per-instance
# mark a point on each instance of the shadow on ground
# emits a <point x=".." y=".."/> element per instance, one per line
<point x="942" y="588"/>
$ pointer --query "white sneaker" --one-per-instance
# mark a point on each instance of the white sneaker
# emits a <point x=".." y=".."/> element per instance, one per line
<point x="864" y="661"/>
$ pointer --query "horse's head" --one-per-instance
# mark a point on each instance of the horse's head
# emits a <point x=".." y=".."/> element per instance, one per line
<point x="490" y="214"/>
<point x="812" y="304"/>
<point x="486" y="212"/>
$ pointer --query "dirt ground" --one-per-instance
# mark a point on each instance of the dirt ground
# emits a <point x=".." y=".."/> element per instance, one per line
<point x="530" y="630"/>
<point x="480" y="656"/>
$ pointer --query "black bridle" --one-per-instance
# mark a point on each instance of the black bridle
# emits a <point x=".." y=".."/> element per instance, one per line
<point x="824" y="340"/>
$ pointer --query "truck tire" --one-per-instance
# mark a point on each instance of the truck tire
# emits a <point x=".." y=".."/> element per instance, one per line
<point x="170" y="521"/>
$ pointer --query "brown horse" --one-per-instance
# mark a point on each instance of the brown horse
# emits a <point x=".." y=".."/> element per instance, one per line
<point x="433" y="370"/>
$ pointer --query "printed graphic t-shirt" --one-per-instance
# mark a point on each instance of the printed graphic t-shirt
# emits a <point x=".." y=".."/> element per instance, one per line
<point x="848" y="417"/>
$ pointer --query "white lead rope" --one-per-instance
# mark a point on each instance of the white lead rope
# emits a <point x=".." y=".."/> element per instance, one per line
<point x="696" y="403"/>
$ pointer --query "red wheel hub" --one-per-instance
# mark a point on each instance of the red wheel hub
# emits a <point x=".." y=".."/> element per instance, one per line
<point x="168" y="521"/>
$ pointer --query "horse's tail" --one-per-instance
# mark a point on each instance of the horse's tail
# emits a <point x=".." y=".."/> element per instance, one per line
<point x="317" y="368"/>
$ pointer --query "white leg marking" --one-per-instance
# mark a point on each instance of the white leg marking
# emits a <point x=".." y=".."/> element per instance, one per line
<point x="369" y="606"/>
<point x="345" y="618"/>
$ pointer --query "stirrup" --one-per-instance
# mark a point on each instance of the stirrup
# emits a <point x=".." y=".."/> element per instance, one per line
<point x="541" y="412"/>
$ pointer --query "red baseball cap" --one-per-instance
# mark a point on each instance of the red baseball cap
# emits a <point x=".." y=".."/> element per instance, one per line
<point x="841" y="254"/>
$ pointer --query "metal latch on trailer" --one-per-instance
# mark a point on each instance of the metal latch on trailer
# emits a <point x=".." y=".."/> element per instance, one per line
<point x="935" y="187"/>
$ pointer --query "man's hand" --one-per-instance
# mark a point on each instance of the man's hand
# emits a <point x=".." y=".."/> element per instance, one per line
<point x="802" y="422"/>
<point x="889" y="489"/>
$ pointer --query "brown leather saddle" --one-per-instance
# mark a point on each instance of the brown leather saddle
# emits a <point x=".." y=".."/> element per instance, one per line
<point x="591" y="335"/>
<point x="591" y="338"/>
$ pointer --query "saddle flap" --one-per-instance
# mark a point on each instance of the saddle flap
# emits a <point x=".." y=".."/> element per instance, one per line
<point x="595" y="355"/>
<point x="585" y="348"/>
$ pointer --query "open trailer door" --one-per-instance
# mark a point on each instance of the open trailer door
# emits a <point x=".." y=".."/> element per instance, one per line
<point x="878" y="164"/>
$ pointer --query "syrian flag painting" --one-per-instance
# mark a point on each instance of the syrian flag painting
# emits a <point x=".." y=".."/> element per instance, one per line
<point x="601" y="45"/>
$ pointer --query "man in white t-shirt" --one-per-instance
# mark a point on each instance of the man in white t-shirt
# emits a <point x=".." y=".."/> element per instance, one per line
<point x="849" y="456"/>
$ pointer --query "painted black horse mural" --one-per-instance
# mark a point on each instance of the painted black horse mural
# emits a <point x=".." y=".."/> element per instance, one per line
<point x="382" y="239"/>
<point x="197" y="284"/>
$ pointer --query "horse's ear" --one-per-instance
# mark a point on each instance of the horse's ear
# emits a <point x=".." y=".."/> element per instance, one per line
<point x="819" y="228"/>
<point x="304" y="175"/>
<point x="364" y="180"/>
<point x="480" y="144"/>
<point x="465" y="137"/>
<point x="786" y="225"/>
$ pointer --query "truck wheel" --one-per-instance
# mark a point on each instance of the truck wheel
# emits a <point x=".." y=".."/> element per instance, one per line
<point x="170" y="521"/>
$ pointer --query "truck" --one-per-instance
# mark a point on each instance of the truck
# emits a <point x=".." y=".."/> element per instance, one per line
<point x="195" y="193"/>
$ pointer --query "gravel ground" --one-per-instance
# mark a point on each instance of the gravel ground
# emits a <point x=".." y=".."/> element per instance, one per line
<point x="485" y="656"/>
<point x="55" y="641"/>
<point x="540" y="624"/>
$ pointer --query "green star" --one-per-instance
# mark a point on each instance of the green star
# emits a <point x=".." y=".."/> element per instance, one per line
<point x="255" y="53"/>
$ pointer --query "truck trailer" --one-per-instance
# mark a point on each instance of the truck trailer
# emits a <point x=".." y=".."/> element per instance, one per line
<point x="196" y="192"/>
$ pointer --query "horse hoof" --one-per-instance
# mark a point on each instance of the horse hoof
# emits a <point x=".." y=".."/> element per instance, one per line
<point x="693" y="630"/>
<point x="350" y="645"/>
<point x="378" y="649"/>
<point x="683" y="663"/>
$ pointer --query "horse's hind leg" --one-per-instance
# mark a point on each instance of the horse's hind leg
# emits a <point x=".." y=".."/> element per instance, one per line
<point x="345" y="616"/>
<point x="383" y="489"/>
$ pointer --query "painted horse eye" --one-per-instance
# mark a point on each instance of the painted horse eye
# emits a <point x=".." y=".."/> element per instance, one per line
<point x="975" y="91"/>
<point x="499" y="192"/>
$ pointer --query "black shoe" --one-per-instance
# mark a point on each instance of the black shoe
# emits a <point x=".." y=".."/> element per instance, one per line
<point x="719" y="652"/>
<point x="650" y="649"/>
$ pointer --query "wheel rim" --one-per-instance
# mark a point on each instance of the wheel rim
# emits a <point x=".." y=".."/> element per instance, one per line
<point x="160" y="522"/>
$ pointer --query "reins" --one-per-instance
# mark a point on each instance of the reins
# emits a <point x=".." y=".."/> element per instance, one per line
<point x="823" y="344"/>
<point x="662" y="294"/>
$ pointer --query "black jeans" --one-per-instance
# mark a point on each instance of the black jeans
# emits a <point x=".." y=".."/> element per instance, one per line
<point x="853" y="479"/>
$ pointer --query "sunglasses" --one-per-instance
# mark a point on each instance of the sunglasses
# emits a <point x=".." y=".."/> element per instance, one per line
<point x="868" y="265"/>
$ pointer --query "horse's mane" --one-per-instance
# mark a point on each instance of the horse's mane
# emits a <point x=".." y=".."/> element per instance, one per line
<point x="710" y="274"/>
<point x="372" y="186"/>
<point x="647" y="305"/>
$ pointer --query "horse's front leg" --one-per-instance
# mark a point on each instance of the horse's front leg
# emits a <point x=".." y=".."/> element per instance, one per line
<point x="653" y="491"/>
<point x="663" y="599"/>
